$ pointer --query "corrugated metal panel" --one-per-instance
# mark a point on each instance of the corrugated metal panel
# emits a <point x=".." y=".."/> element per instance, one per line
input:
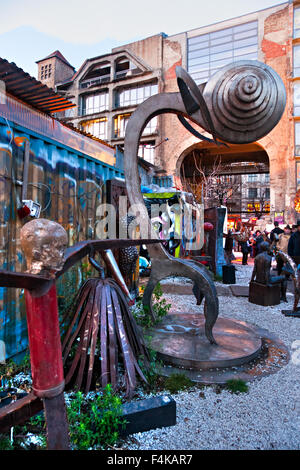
<point x="31" y="119"/>
<point x="30" y="90"/>
<point x="67" y="183"/>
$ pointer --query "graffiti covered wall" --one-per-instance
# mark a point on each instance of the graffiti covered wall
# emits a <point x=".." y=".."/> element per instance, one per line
<point x="67" y="183"/>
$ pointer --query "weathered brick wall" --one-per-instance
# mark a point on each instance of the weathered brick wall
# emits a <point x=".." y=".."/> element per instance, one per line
<point x="62" y="71"/>
<point x="50" y="82"/>
<point x="276" y="47"/>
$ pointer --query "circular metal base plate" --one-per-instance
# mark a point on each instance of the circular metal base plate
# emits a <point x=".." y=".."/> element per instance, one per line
<point x="180" y="341"/>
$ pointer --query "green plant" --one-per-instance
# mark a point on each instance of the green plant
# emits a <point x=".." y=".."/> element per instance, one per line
<point x="237" y="386"/>
<point x="12" y="368"/>
<point x="38" y="421"/>
<point x="176" y="382"/>
<point x="95" y="422"/>
<point x="150" y="369"/>
<point x="5" y="443"/>
<point x="160" y="309"/>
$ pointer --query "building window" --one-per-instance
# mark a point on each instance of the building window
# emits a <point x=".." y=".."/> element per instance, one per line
<point x="96" y="75"/>
<point x="252" y="178"/>
<point x="125" y="68"/>
<point x="267" y="177"/>
<point x="253" y="207"/>
<point x="97" y="128"/>
<point x="120" y="123"/>
<point x="252" y="193"/>
<point x="267" y="193"/>
<point x="134" y="96"/>
<point x="146" y="151"/>
<point x="296" y="23"/>
<point x="297" y="138"/>
<point x="46" y="71"/>
<point x="298" y="174"/>
<point x="94" y="103"/>
<point x="296" y="61"/>
<point x="297" y="98"/>
<point x="151" y="127"/>
<point x="209" y="52"/>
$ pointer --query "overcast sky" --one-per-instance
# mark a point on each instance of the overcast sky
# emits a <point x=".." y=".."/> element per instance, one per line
<point x="31" y="29"/>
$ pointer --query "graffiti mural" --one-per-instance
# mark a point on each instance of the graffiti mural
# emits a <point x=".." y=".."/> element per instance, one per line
<point x="68" y="185"/>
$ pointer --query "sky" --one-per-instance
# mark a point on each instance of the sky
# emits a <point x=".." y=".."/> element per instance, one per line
<point x="30" y="29"/>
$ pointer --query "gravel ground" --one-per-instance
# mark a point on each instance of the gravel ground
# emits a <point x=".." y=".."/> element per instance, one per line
<point x="266" y="417"/>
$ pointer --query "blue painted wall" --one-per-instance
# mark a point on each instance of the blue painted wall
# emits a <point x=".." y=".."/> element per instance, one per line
<point x="67" y="183"/>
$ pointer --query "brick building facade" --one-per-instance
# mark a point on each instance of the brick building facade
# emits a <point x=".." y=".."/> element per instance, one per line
<point x="108" y="88"/>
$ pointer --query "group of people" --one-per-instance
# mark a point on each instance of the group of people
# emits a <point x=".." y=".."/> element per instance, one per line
<point x="286" y="240"/>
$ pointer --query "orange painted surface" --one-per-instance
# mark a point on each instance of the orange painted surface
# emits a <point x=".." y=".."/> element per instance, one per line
<point x="272" y="49"/>
<point x="170" y="73"/>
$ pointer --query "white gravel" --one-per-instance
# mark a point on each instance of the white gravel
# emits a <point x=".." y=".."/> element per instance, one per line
<point x="267" y="417"/>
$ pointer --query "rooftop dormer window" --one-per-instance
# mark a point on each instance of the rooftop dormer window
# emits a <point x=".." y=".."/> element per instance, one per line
<point x="96" y="75"/>
<point x="125" y="68"/>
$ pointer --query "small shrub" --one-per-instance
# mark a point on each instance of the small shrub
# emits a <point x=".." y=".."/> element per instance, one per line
<point x="177" y="382"/>
<point x="160" y="309"/>
<point x="12" y="368"/>
<point x="150" y="370"/>
<point x="237" y="386"/>
<point x="95" y="422"/>
<point x="5" y="443"/>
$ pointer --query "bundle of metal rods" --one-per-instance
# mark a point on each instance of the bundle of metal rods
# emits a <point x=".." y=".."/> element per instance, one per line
<point x="102" y="320"/>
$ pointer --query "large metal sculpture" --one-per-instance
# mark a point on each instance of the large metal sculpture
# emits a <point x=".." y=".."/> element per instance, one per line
<point x="43" y="242"/>
<point x="241" y="103"/>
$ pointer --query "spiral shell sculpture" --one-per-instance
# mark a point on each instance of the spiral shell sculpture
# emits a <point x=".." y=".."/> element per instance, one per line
<point x="245" y="100"/>
<point x="241" y="103"/>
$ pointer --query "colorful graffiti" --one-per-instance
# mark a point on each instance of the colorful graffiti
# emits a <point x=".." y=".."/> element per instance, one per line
<point x="66" y="183"/>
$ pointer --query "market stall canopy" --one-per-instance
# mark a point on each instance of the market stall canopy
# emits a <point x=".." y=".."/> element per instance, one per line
<point x="26" y="88"/>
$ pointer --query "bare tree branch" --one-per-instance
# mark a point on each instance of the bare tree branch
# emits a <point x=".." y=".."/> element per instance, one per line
<point x="210" y="185"/>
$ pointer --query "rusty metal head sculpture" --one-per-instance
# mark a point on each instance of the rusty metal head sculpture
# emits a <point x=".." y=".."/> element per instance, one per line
<point x="241" y="103"/>
<point x="43" y="243"/>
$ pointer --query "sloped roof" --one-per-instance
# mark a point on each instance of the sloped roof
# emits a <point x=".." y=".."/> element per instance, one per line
<point x="126" y="52"/>
<point x="57" y="54"/>
<point x="31" y="91"/>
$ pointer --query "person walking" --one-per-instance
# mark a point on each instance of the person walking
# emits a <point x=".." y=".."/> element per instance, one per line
<point x="245" y="251"/>
<point x="252" y="245"/>
<point x="275" y="232"/>
<point x="258" y="241"/>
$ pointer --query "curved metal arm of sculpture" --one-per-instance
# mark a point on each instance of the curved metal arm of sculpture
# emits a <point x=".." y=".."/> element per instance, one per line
<point x="240" y="104"/>
<point x="38" y="283"/>
<point x="163" y="264"/>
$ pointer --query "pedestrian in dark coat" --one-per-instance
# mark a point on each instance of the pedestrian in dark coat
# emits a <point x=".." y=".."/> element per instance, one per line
<point x="275" y="232"/>
<point x="258" y="240"/>
<point x="294" y="244"/>
<point x="245" y="251"/>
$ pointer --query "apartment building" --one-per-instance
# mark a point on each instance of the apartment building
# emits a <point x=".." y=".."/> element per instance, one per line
<point x="108" y="88"/>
